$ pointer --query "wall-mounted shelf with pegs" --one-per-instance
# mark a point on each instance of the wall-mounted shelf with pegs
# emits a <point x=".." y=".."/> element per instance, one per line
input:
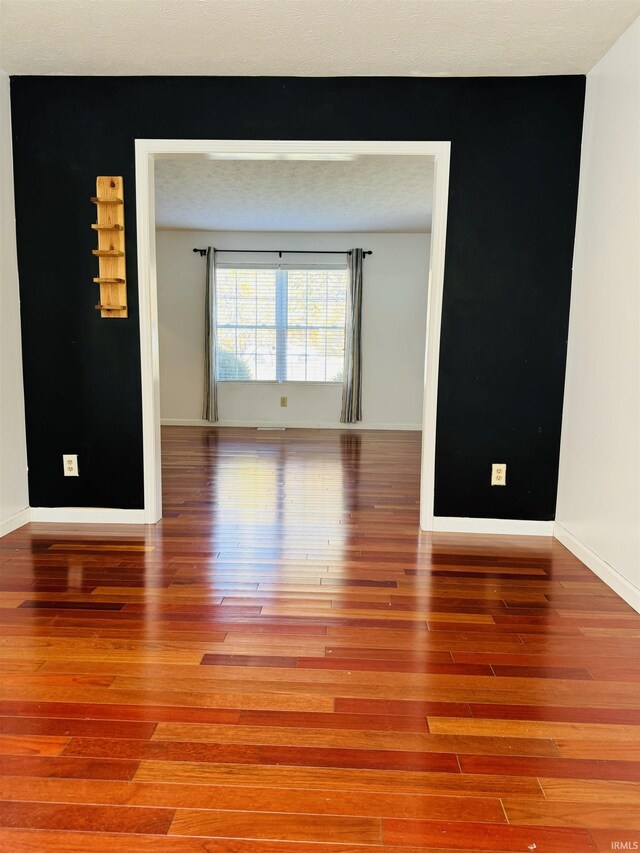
<point x="112" y="277"/>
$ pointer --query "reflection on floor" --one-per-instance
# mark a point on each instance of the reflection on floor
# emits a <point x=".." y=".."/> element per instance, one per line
<point x="286" y="658"/>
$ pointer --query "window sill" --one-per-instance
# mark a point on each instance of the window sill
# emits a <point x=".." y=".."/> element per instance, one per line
<point x="275" y="382"/>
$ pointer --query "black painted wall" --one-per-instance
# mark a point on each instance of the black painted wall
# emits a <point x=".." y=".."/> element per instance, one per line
<point x="514" y="174"/>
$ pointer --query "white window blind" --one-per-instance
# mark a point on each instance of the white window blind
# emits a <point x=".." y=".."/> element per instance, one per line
<point x="280" y="324"/>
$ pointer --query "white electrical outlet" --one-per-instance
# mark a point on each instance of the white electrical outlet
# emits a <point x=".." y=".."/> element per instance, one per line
<point x="499" y="474"/>
<point x="283" y="402"/>
<point x="70" y="464"/>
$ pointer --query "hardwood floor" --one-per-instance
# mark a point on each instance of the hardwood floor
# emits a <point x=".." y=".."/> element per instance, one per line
<point x="286" y="665"/>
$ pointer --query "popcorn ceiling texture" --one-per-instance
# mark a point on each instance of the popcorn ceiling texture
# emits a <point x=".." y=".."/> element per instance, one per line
<point x="312" y="38"/>
<point x="365" y="194"/>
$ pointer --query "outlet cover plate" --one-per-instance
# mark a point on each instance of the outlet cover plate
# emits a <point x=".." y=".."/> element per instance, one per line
<point x="499" y="474"/>
<point x="70" y="464"/>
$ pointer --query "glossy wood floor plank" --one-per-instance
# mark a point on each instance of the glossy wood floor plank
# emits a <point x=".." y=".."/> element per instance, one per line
<point x="590" y="814"/>
<point x="498" y="839"/>
<point x="242" y="799"/>
<point x="342" y="779"/>
<point x="81" y="817"/>
<point x="285" y="663"/>
<point x="34" y="841"/>
<point x="591" y="791"/>
<point x="261" y="826"/>
<point x="366" y="739"/>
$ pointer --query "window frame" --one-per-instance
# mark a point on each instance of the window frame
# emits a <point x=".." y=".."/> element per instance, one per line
<point x="281" y="320"/>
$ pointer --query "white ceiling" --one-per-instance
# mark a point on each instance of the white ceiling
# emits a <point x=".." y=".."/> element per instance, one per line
<point x="368" y="193"/>
<point x="321" y="38"/>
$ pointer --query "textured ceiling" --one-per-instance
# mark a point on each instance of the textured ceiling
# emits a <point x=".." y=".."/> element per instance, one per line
<point x="365" y="194"/>
<point x="309" y="37"/>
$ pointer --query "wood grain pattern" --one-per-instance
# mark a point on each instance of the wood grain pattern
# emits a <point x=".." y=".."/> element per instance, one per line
<point x="221" y="824"/>
<point x="596" y="815"/>
<point x="591" y="791"/>
<point x="369" y="740"/>
<point x="343" y="779"/>
<point x="287" y="665"/>
<point x="498" y="839"/>
<point x="32" y="745"/>
<point x="30" y="841"/>
<point x="81" y="817"/>
<point x="253" y="798"/>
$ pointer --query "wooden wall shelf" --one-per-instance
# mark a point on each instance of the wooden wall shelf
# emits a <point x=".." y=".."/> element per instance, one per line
<point x="96" y="199"/>
<point x="109" y="200"/>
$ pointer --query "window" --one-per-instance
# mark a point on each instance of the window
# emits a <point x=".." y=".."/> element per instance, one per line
<point x="280" y="324"/>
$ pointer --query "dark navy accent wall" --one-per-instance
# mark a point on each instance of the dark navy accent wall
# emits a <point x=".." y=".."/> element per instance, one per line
<point x="514" y="176"/>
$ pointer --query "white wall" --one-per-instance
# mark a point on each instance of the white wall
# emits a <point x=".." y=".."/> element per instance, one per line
<point x="394" y="327"/>
<point x="598" y="511"/>
<point x="14" y="497"/>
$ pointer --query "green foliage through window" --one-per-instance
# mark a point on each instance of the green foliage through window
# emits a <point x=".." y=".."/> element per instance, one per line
<point x="232" y="366"/>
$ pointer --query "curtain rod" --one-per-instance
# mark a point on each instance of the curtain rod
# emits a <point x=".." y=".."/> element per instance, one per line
<point x="282" y="252"/>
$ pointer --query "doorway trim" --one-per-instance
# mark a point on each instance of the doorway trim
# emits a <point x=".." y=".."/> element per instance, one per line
<point x="146" y="153"/>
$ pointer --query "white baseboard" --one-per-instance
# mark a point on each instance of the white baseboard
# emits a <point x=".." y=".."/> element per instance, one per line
<point x="87" y="515"/>
<point x="289" y="424"/>
<point x="508" y="526"/>
<point x="183" y="422"/>
<point x="598" y="566"/>
<point x="15" y="521"/>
